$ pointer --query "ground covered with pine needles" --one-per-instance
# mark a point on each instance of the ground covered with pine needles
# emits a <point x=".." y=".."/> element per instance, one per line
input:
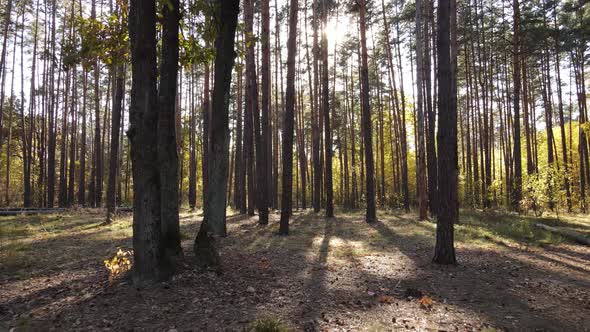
<point x="337" y="274"/>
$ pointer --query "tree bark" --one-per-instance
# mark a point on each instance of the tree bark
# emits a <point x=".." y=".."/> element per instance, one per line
<point x="149" y="263"/>
<point x="264" y="157"/>
<point x="114" y="153"/>
<point x="516" y="193"/>
<point x="215" y="197"/>
<point x="167" y="143"/>
<point x="448" y="205"/>
<point x="366" y="119"/>
<point x="287" y="148"/>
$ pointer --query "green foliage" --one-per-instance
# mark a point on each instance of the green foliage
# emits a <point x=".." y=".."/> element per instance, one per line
<point x="268" y="324"/>
<point x="494" y="228"/>
<point x="543" y="190"/>
<point x="192" y="52"/>
<point x="196" y="44"/>
<point x="106" y="39"/>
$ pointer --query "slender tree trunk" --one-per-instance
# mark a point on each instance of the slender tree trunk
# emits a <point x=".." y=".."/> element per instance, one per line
<point x="205" y="134"/>
<point x="287" y="147"/>
<point x="326" y="113"/>
<point x="192" y="183"/>
<point x="562" y="124"/>
<point x="262" y="164"/>
<point x="7" y="21"/>
<point x="240" y="174"/>
<point x="366" y="119"/>
<point x="421" y="166"/>
<point x="51" y="113"/>
<point x="517" y="185"/>
<point x="251" y="102"/>
<point x="317" y="173"/>
<point x="114" y="155"/>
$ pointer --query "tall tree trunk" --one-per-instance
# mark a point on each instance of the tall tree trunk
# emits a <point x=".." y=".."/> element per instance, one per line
<point x="167" y="143"/>
<point x="240" y="169"/>
<point x="431" y="163"/>
<point x="206" y="124"/>
<point x="52" y="105"/>
<point x="262" y="150"/>
<point x="326" y="113"/>
<point x="114" y="153"/>
<point x="96" y="178"/>
<point x="215" y="198"/>
<point x="366" y="119"/>
<point x="82" y="176"/>
<point x="251" y="101"/>
<point x="317" y="169"/>
<point x="7" y="21"/>
<point x="448" y="204"/>
<point x="149" y="263"/>
<point x="192" y="183"/>
<point x="287" y="147"/>
<point x="421" y="166"/>
<point x="516" y="192"/>
<point x="566" y="183"/>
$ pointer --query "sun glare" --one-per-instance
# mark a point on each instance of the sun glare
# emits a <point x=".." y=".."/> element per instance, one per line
<point x="337" y="29"/>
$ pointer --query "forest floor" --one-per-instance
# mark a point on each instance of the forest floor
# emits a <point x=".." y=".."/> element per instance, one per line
<point x="337" y="274"/>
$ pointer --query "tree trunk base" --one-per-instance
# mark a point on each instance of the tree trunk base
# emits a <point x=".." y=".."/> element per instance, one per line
<point x="206" y="255"/>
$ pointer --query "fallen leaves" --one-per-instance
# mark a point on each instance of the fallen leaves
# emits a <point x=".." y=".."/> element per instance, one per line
<point x="264" y="264"/>
<point x="118" y="264"/>
<point x="426" y="302"/>
<point x="386" y="299"/>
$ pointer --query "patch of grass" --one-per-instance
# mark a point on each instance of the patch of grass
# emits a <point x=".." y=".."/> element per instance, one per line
<point x="376" y="327"/>
<point x="347" y="252"/>
<point x="268" y="324"/>
<point x="485" y="228"/>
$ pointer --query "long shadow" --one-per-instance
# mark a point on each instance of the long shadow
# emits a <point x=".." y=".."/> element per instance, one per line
<point x="253" y="256"/>
<point x="315" y="288"/>
<point x="479" y="284"/>
<point x="531" y="253"/>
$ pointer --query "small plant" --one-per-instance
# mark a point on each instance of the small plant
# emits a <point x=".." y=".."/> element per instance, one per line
<point x="268" y="324"/>
<point x="118" y="264"/>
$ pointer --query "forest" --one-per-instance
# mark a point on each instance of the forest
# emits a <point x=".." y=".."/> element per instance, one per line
<point x="294" y="165"/>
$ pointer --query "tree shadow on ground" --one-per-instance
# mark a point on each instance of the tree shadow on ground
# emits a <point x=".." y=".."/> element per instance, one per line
<point x="329" y="273"/>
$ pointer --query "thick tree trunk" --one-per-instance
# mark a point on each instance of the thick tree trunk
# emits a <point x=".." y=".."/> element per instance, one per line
<point x="149" y="263"/>
<point x="218" y="154"/>
<point x="448" y="204"/>
<point x="167" y="143"/>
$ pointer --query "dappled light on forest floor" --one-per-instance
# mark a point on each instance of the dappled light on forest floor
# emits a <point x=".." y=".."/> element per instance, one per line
<point x="336" y="274"/>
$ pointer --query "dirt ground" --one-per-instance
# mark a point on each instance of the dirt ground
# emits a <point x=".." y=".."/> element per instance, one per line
<point x="337" y="274"/>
